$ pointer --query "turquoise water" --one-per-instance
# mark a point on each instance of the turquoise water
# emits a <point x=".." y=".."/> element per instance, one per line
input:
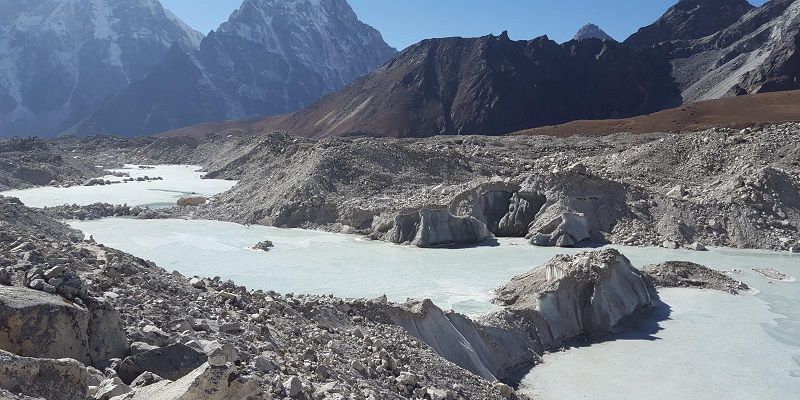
<point x="178" y="181"/>
<point x="711" y="345"/>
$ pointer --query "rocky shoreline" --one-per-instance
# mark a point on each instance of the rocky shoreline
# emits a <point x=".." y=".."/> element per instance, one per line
<point x="718" y="187"/>
<point x="734" y="188"/>
<point x="142" y="330"/>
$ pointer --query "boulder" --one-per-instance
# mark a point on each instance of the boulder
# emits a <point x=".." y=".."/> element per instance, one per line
<point x="64" y="379"/>
<point x="590" y="293"/>
<point x="264" y="246"/>
<point x="192" y="201"/>
<point x="293" y="386"/>
<point x="431" y="228"/>
<point x="111" y="388"/>
<point x="170" y="362"/>
<point x="690" y="275"/>
<point x="204" y="383"/>
<point x="697" y="246"/>
<point x="43" y="325"/>
<point x="145" y="379"/>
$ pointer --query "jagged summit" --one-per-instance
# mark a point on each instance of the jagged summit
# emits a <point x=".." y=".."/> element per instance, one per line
<point x="60" y="58"/>
<point x="490" y="85"/>
<point x="270" y="57"/>
<point x="691" y="19"/>
<point x="591" y="31"/>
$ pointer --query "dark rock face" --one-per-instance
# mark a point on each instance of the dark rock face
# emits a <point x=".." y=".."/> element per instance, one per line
<point x="171" y="362"/>
<point x="591" y="31"/>
<point x="271" y="57"/>
<point x="490" y="86"/>
<point x="62" y="58"/>
<point x="691" y="19"/>
<point x="726" y="48"/>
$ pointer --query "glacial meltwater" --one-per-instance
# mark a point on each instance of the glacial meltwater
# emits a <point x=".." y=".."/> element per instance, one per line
<point x="704" y="344"/>
<point x="176" y="181"/>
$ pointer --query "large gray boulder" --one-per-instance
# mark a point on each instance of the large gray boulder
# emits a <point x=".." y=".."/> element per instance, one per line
<point x="38" y="324"/>
<point x="484" y="350"/>
<point x="590" y="293"/>
<point x="690" y="275"/>
<point x="204" y="383"/>
<point x="50" y="379"/>
<point x="431" y="228"/>
<point x="171" y="362"/>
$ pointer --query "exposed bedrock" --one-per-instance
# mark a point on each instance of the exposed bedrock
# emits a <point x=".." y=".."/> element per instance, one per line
<point x="38" y="324"/>
<point x="591" y="294"/>
<point x="430" y="228"/>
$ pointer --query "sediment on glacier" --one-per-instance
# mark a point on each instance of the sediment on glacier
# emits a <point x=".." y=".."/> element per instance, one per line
<point x="717" y="187"/>
<point x="589" y="294"/>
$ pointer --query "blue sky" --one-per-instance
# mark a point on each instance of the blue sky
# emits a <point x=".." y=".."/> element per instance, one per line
<point x="404" y="22"/>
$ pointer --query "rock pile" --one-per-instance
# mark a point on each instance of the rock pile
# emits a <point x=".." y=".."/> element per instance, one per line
<point x="691" y="275"/>
<point x="719" y="187"/>
<point x="137" y="330"/>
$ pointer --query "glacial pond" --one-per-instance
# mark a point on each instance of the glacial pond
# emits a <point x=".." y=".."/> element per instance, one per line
<point x="177" y="181"/>
<point x="705" y="345"/>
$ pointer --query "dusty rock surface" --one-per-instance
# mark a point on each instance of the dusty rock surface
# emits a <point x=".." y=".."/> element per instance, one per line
<point x="723" y="187"/>
<point x="203" y="336"/>
<point x="29" y="162"/>
<point x="691" y="275"/>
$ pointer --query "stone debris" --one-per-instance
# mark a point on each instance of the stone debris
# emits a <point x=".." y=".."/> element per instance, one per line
<point x="691" y="275"/>
<point x="718" y="187"/>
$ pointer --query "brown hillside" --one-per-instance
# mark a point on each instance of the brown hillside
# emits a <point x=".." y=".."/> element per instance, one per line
<point x="734" y="112"/>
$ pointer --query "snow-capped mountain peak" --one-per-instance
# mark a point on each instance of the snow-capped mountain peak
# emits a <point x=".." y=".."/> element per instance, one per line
<point x="270" y="57"/>
<point x="591" y="31"/>
<point x="60" y="58"/>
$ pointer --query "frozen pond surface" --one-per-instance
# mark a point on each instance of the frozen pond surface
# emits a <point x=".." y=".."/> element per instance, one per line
<point x="178" y="181"/>
<point x="713" y="347"/>
<point x="710" y="346"/>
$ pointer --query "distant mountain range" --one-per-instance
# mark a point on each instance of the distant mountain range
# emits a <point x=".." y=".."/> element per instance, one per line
<point x="310" y="67"/>
<point x="59" y="59"/>
<point x="130" y="67"/>
<point x="271" y="57"/>
<point x="699" y="50"/>
<point x="491" y="85"/>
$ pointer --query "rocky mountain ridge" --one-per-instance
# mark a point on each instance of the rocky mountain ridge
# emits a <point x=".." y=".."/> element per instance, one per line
<point x="698" y="50"/>
<point x="60" y="58"/>
<point x="490" y="85"/>
<point x="591" y="31"/>
<point x="270" y="57"/>
<point x="756" y="53"/>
